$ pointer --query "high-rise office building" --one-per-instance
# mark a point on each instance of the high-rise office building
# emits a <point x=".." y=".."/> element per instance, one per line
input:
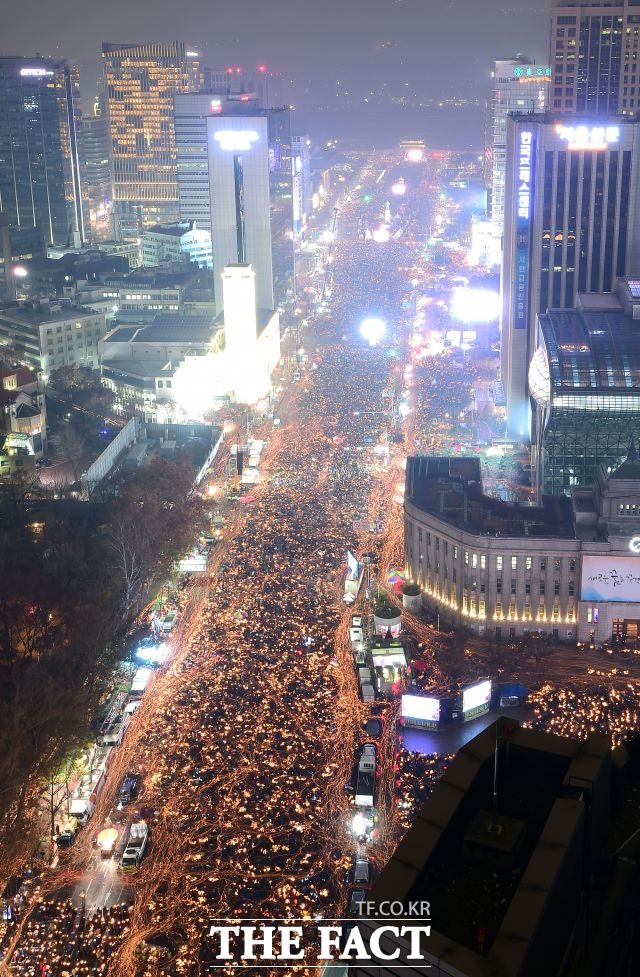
<point x="97" y="169"/>
<point x="191" y="112"/>
<point x="204" y="177"/>
<point x="40" y="151"/>
<point x="141" y="80"/>
<point x="571" y="225"/>
<point x="239" y="191"/>
<point x="594" y="56"/>
<point x="302" y="191"/>
<point x="517" y="86"/>
<point x="281" y="204"/>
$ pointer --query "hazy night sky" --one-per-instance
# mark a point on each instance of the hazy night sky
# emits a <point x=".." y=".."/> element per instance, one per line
<point x="421" y="48"/>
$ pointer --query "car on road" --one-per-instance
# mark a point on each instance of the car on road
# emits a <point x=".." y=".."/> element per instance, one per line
<point x="373" y="727"/>
<point x="67" y="833"/>
<point x="356" y="898"/>
<point x="361" y="871"/>
<point x="128" y="788"/>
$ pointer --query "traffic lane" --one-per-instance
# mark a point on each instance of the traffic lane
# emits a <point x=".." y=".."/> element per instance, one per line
<point x="101" y="885"/>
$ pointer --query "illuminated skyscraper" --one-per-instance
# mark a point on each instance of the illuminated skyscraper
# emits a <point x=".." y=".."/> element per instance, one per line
<point x="97" y="169"/>
<point x="240" y="155"/>
<point x="40" y="158"/>
<point x="239" y="188"/>
<point x="570" y="226"/>
<point x="517" y="86"/>
<point x="594" y="56"/>
<point x="301" y="158"/>
<point x="141" y="80"/>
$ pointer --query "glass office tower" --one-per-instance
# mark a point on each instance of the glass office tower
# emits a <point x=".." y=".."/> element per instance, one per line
<point x="40" y="156"/>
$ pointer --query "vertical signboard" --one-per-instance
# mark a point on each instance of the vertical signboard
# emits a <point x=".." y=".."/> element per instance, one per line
<point x="524" y="203"/>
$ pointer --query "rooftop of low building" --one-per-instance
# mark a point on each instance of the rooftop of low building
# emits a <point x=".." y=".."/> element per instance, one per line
<point x="451" y="489"/>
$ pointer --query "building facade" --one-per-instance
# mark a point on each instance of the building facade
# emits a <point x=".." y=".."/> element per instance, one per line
<point x="97" y="170"/>
<point x="505" y="570"/>
<point x="240" y="200"/>
<point x="40" y="148"/>
<point x="140" y="82"/>
<point x="17" y="244"/>
<point x="519" y="86"/>
<point x="207" y="174"/>
<point x="584" y="381"/>
<point x="594" y="56"/>
<point x="302" y="186"/>
<point x="49" y="335"/>
<point x="571" y="201"/>
<point x="176" y="242"/>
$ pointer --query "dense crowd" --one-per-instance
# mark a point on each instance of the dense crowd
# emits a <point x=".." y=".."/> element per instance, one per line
<point x="58" y="939"/>
<point x="577" y="712"/>
<point x="254" y="726"/>
<point x="415" y="777"/>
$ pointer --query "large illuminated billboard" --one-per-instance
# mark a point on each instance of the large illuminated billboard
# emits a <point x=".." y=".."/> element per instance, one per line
<point x="476" y="698"/>
<point x="613" y="579"/>
<point x="420" y="709"/>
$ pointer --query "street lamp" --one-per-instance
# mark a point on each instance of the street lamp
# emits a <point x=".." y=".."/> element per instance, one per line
<point x="83" y="896"/>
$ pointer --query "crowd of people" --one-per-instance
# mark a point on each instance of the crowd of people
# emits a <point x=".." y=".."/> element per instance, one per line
<point x="576" y="711"/>
<point x="250" y="734"/>
<point x="58" y="939"/>
<point x="415" y="777"/>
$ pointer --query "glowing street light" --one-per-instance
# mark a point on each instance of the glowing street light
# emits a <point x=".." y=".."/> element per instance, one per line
<point x="373" y="330"/>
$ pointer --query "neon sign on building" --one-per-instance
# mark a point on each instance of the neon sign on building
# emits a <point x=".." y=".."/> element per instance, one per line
<point x="589" y="137"/>
<point x="523" y="212"/>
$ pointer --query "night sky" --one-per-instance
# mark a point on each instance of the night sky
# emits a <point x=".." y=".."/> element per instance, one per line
<point x="419" y="49"/>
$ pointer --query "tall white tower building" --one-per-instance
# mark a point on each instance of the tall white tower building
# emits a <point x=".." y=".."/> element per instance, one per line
<point x="517" y="86"/>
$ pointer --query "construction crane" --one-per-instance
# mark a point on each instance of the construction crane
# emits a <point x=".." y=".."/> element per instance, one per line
<point x="328" y="278"/>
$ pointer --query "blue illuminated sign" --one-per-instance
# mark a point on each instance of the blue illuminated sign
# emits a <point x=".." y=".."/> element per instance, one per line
<point x="524" y="200"/>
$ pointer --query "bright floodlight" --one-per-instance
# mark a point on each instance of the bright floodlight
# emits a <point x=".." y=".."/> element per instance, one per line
<point x="414" y="155"/>
<point x="399" y="188"/>
<point x="195" y="385"/>
<point x="372" y="330"/>
<point x="475" y="305"/>
<point x="381" y="234"/>
<point x="20" y="272"/>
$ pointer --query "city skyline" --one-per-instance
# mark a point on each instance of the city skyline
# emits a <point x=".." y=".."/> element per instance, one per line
<point x="334" y="59"/>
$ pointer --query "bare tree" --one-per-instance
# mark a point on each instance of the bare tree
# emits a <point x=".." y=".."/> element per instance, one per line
<point x="74" y="449"/>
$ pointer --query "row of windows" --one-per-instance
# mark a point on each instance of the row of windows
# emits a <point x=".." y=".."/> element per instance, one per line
<point x="476" y="560"/>
<point x="79" y="325"/>
<point x="625" y="509"/>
